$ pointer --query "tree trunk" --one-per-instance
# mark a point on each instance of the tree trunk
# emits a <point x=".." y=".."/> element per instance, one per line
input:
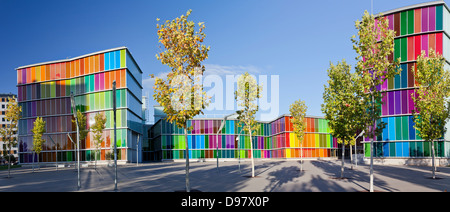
<point x="371" y="165"/>
<point x="342" y="164"/>
<point x="9" y="162"/>
<point x="351" y="157"/>
<point x="251" y="153"/>
<point x="301" y="159"/>
<point x="188" y="187"/>
<point x="433" y="164"/>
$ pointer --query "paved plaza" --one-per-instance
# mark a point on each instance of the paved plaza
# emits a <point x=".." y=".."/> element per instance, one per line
<point x="272" y="176"/>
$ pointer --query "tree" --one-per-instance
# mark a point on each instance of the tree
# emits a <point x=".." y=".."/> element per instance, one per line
<point x="431" y="100"/>
<point x="81" y="124"/>
<point x="342" y="106"/>
<point x="375" y="44"/>
<point x="248" y="91"/>
<point x="38" y="131"/>
<point x="8" y="133"/>
<point x="181" y="95"/>
<point x="298" y="113"/>
<point x="97" y="129"/>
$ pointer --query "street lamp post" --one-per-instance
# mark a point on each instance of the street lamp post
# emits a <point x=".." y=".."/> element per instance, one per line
<point x="217" y="137"/>
<point x="115" y="135"/>
<point x="72" y="100"/>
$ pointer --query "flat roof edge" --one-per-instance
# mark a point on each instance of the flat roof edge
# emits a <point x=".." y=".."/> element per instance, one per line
<point x="425" y="4"/>
<point x="74" y="58"/>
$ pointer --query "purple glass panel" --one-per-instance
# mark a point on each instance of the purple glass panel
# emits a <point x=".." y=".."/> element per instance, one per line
<point x="397" y="102"/>
<point x="391" y="103"/>
<point x="425" y="19"/>
<point x="24" y="76"/>
<point x="33" y="108"/>
<point x="425" y="44"/>
<point x="384" y="106"/>
<point x="404" y="101"/>
<point x="391" y="21"/>
<point x="97" y="81"/>
<point x="432" y="18"/>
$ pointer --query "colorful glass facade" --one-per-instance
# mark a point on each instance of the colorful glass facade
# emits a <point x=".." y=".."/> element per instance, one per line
<point x="273" y="140"/>
<point x="418" y="28"/>
<point x="44" y="91"/>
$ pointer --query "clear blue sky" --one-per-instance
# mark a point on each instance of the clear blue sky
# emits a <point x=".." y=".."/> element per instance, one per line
<point x="293" y="39"/>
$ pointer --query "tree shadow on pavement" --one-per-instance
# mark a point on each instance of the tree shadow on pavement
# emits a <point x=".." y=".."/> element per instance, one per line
<point x="332" y="170"/>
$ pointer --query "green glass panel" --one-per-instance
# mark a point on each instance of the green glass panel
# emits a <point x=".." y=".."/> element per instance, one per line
<point x="97" y="101"/>
<point x="396" y="48"/>
<point x="53" y="89"/>
<point x="86" y="84"/>
<point x="78" y="85"/>
<point x="316" y="124"/>
<point x="405" y="132"/>
<point x="87" y="102"/>
<point x="124" y="137"/>
<point x="82" y="85"/>
<point x="398" y="128"/>
<point x="47" y="89"/>
<point x="392" y="149"/>
<point x="102" y="100"/>
<point x="122" y="58"/>
<point x="108" y="120"/>
<point x="119" y="138"/>
<point x="119" y="118"/>
<point x="73" y="86"/>
<point x="367" y="149"/>
<point x="108" y="100"/>
<point x="124" y="118"/>
<point x="403" y="23"/>
<point x="419" y="147"/>
<point x="410" y="21"/>
<point x="123" y="99"/>
<point x="317" y="139"/>
<point x="118" y="98"/>
<point x="397" y="80"/>
<point x="92" y="83"/>
<point x="404" y="49"/>
<point x="426" y="149"/>
<point x="439" y="17"/>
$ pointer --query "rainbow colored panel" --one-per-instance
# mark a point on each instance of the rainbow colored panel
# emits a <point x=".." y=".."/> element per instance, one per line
<point x="44" y="91"/>
<point x="417" y="29"/>
<point x="272" y="140"/>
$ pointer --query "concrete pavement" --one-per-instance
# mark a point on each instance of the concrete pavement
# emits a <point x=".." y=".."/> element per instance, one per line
<point x="272" y="176"/>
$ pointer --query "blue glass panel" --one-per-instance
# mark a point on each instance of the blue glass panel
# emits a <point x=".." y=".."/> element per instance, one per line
<point x="391" y="126"/>
<point x="106" y="56"/>
<point x="386" y="149"/>
<point x="398" y="149"/>
<point x="405" y="149"/>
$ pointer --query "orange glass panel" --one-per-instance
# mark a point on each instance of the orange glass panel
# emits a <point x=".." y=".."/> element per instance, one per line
<point x="91" y="64"/>
<point x="417" y="20"/>
<point x="411" y="48"/>
<point x="82" y="66"/>
<point x="432" y="41"/>
<point x="118" y="79"/>
<point x="47" y="72"/>
<point x="33" y="74"/>
<point x="101" y="62"/>
<point x="107" y="81"/>
<point x="97" y="63"/>
<point x="77" y="68"/>
<point x="123" y="78"/>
